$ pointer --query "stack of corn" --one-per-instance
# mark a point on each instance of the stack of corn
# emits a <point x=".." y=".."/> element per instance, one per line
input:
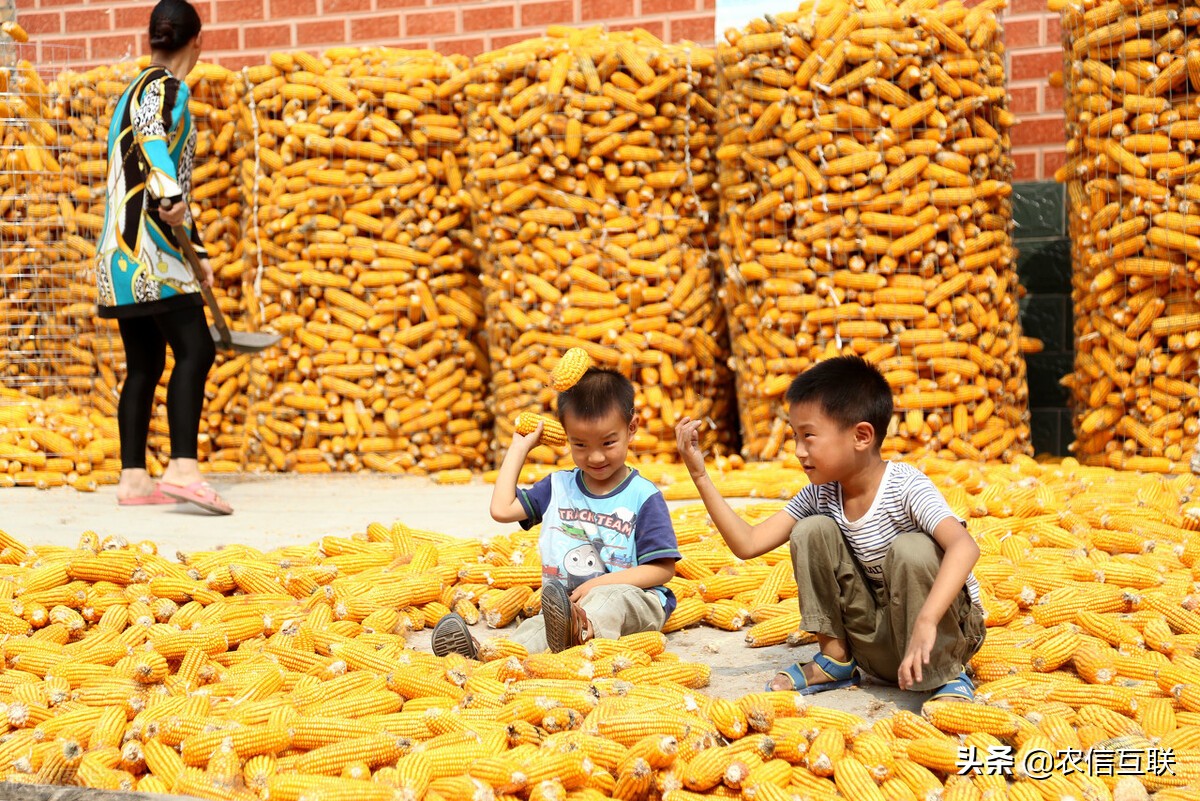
<point x="240" y="674"/>
<point x="40" y="248"/>
<point x="49" y="434"/>
<point x="49" y="442"/>
<point x="1130" y="72"/>
<point x="359" y="255"/>
<point x="95" y="365"/>
<point x="593" y="189"/>
<point x="864" y="168"/>
<point x="31" y="228"/>
<point x="223" y="143"/>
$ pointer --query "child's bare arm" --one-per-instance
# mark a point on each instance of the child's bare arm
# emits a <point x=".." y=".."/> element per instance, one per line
<point x="746" y="541"/>
<point x="961" y="554"/>
<point x="505" y="507"/>
<point x="650" y="574"/>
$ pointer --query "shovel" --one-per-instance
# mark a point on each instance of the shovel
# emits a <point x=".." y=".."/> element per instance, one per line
<point x="236" y="341"/>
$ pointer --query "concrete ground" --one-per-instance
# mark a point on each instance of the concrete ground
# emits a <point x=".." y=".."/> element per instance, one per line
<point x="273" y="511"/>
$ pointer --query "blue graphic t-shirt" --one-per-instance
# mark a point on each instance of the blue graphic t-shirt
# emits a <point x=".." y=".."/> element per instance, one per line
<point x="586" y="535"/>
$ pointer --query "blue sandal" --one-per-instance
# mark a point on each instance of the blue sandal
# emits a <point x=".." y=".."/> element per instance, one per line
<point x="841" y="674"/>
<point x="960" y="688"/>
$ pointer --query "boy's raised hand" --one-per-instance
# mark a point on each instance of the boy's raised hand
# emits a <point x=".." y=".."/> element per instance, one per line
<point x="687" y="438"/>
<point x="528" y="442"/>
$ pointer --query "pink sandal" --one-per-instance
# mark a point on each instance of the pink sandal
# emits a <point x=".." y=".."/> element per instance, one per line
<point x="156" y="498"/>
<point x="199" y="493"/>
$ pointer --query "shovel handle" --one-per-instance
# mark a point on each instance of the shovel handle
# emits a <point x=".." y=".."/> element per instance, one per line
<point x="193" y="263"/>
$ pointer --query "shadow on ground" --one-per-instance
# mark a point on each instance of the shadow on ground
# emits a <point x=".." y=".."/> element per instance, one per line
<point x="738" y="669"/>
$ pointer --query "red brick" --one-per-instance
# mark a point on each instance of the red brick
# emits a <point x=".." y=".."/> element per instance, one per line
<point x="240" y="10"/>
<point x="203" y="7"/>
<point x="45" y="22"/>
<point x="1024" y="100"/>
<point x="1028" y="66"/>
<point x="57" y="50"/>
<point x="220" y="39"/>
<point x="382" y="4"/>
<point x="364" y="29"/>
<point x="656" y="28"/>
<point x="280" y="9"/>
<point x="267" y="36"/>
<point x="131" y="17"/>
<point x="488" y="18"/>
<point x="326" y="31"/>
<point x="654" y="7"/>
<point x="498" y="42"/>
<point x="709" y="5"/>
<point x="239" y="60"/>
<point x="107" y="48"/>
<point x="464" y="47"/>
<point x="88" y="20"/>
<point x="1053" y="29"/>
<point x="73" y="48"/>
<point x="1021" y="34"/>
<point x="49" y="3"/>
<point x="415" y="44"/>
<point x="557" y="12"/>
<point x="1051" y="161"/>
<point x="1040" y="131"/>
<point x="342" y="6"/>
<point x="1027" y="7"/>
<point x="1026" y="165"/>
<point x="1052" y="99"/>
<point x="430" y="23"/>
<point x="605" y="9"/>
<point x="696" y="29"/>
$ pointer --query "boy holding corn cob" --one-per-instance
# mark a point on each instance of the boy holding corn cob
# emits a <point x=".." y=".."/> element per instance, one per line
<point x="607" y="542"/>
<point x="883" y="567"/>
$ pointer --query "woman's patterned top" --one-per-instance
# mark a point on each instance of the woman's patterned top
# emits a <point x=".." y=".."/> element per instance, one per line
<point x="151" y="147"/>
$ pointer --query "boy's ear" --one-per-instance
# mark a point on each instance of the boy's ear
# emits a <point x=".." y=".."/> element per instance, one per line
<point x="633" y="424"/>
<point x="864" y="436"/>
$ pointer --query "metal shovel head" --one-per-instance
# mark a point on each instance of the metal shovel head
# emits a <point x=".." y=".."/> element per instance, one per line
<point x="245" y="341"/>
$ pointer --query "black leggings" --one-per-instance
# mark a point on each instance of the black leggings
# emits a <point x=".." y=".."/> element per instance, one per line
<point x="146" y="339"/>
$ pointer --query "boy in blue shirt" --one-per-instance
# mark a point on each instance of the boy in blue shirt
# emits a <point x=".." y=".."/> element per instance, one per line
<point x="607" y="543"/>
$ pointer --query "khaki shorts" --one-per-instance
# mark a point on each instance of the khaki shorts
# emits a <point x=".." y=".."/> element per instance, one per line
<point x="837" y="600"/>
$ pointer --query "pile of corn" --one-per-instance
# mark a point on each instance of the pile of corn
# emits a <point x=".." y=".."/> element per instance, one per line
<point x="50" y="442"/>
<point x="594" y="197"/>
<point x="1130" y="72"/>
<point x="87" y="103"/>
<point x="361" y="256"/>
<point x="65" y="152"/>
<point x="40" y="247"/>
<point x="864" y="168"/>
<point x="284" y="674"/>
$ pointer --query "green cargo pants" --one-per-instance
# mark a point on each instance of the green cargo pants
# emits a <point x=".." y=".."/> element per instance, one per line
<point x="837" y="600"/>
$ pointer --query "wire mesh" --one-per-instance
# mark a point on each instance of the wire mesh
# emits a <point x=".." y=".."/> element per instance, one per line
<point x="1130" y="73"/>
<point x="87" y="102"/>
<point x="595" y="203"/>
<point x="864" y="168"/>
<point x="40" y="249"/>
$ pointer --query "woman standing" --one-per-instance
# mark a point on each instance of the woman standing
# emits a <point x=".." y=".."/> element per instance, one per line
<point x="143" y="281"/>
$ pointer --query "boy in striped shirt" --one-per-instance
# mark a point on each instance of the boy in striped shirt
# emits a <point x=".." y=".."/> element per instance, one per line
<point x="883" y="567"/>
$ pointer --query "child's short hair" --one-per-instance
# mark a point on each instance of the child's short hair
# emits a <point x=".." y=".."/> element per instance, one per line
<point x="597" y="393"/>
<point x="849" y="390"/>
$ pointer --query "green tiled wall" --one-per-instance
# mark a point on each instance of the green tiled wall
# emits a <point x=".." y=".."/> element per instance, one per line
<point x="1044" y="267"/>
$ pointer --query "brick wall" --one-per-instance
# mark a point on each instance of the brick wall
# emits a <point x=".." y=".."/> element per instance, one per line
<point x="239" y="32"/>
